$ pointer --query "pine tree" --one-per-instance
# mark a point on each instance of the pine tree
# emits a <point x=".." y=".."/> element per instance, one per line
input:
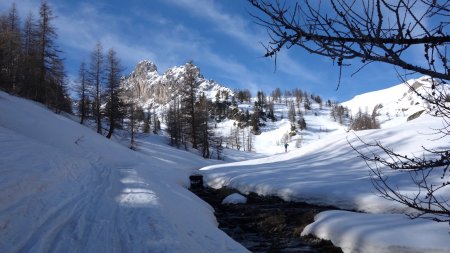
<point x="306" y="103"/>
<point x="254" y="121"/>
<point x="302" y="123"/>
<point x="271" y="113"/>
<point x="291" y="117"/>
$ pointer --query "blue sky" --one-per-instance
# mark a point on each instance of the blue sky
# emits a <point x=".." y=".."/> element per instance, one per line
<point x="218" y="35"/>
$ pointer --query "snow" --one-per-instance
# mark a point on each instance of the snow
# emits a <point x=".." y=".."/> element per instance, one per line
<point x="379" y="233"/>
<point x="327" y="171"/>
<point x="234" y="198"/>
<point x="273" y="135"/>
<point x="65" y="188"/>
<point x="398" y="101"/>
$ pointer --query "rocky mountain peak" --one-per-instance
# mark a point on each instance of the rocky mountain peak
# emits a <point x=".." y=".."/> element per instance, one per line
<point x="143" y="68"/>
<point x="150" y="88"/>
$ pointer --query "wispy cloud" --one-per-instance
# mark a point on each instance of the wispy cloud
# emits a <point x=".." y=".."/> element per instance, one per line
<point x="82" y="29"/>
<point x="248" y="34"/>
<point x="233" y="25"/>
<point x="166" y="41"/>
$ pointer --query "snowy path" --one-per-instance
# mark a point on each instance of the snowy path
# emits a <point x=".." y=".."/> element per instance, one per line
<point x="64" y="188"/>
<point x="97" y="210"/>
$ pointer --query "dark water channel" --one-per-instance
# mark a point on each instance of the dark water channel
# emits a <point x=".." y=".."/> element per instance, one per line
<point x="266" y="224"/>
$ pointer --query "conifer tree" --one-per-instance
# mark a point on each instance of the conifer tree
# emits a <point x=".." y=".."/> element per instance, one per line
<point x="302" y="123"/>
<point x="96" y="77"/>
<point x="254" y="121"/>
<point x="82" y="92"/>
<point x="148" y="120"/>
<point x="28" y="74"/>
<point x="29" y="62"/>
<point x="291" y="117"/>
<point x="114" y="105"/>
<point x="47" y="52"/>
<point x="204" y="134"/>
<point x="276" y="95"/>
<point x="10" y="50"/>
<point x="190" y="85"/>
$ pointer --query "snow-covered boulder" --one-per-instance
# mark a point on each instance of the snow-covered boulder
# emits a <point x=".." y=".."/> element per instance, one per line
<point x="234" y="198"/>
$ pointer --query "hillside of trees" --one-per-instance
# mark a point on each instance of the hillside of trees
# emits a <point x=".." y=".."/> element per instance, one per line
<point x="31" y="65"/>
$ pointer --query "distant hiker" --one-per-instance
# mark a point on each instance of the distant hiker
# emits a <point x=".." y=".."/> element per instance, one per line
<point x="285" y="147"/>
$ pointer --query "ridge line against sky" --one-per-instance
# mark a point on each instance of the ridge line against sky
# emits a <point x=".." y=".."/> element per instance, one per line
<point x="220" y="37"/>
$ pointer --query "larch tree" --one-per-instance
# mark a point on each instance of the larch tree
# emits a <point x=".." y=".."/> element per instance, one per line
<point x="30" y="62"/>
<point x="10" y="52"/>
<point x="204" y="135"/>
<point x="114" y="105"/>
<point x="28" y="74"/>
<point x="82" y="92"/>
<point x="96" y="79"/>
<point x="189" y="98"/>
<point x="47" y="53"/>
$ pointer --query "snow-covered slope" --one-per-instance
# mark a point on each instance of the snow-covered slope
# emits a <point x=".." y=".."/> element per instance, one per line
<point x="398" y="102"/>
<point x="64" y="188"/>
<point x="329" y="172"/>
<point x="153" y="91"/>
<point x="274" y="135"/>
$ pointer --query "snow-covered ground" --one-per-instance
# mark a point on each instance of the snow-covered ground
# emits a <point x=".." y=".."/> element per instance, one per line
<point x="273" y="134"/>
<point x="397" y="102"/>
<point x="329" y="172"/>
<point x="64" y="188"/>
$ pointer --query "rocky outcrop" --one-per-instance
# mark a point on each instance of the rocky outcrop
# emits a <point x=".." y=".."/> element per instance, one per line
<point x="149" y="88"/>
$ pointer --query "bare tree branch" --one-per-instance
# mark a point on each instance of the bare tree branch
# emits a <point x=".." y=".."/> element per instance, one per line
<point x="376" y="30"/>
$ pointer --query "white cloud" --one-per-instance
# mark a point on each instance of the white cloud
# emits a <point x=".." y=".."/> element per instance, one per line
<point x="162" y="40"/>
<point x="232" y="25"/>
<point x="248" y="35"/>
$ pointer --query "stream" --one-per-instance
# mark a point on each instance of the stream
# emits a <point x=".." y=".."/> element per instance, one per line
<point x="266" y="224"/>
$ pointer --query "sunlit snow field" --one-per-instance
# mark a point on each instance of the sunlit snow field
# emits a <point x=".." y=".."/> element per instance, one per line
<point x="66" y="188"/>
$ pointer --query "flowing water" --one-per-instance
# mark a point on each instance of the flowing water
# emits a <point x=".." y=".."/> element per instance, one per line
<point x="266" y="224"/>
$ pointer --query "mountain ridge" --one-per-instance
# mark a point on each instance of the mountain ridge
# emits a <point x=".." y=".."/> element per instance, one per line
<point x="153" y="89"/>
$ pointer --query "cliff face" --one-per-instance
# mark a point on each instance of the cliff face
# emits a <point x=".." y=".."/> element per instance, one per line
<point x="149" y="88"/>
